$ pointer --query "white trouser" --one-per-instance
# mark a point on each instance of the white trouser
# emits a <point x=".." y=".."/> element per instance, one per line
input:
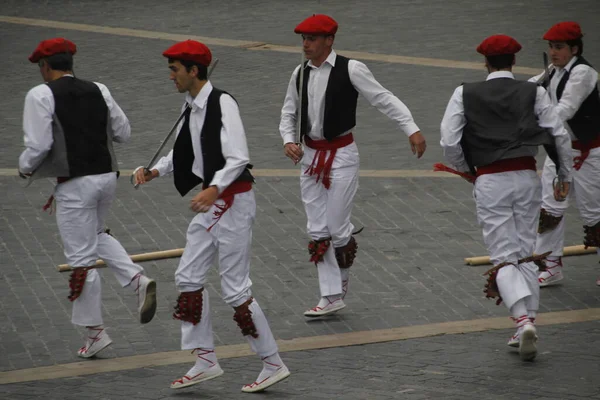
<point x="82" y="205"/>
<point x="585" y="188"/>
<point x="328" y="211"/>
<point x="507" y="210"/>
<point x="231" y="238"/>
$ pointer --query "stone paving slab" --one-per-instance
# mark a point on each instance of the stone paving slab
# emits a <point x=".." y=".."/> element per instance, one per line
<point x="258" y="79"/>
<point x="436" y="28"/>
<point x="470" y="366"/>
<point x="409" y="270"/>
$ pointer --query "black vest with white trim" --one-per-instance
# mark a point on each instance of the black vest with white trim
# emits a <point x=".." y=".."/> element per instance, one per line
<point x="210" y="143"/>
<point x="585" y="124"/>
<point x="340" y="100"/>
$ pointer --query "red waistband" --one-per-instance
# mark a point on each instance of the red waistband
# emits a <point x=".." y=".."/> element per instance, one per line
<point x="336" y="143"/>
<point x="236" y="188"/>
<point x="228" y="196"/>
<point x="509" y="164"/>
<point x="62" y="179"/>
<point x="577" y="145"/>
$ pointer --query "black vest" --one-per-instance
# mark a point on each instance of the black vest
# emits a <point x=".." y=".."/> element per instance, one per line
<point x="210" y="143"/>
<point x="501" y="121"/>
<point x="340" y="100"/>
<point x="585" y="124"/>
<point x="80" y="125"/>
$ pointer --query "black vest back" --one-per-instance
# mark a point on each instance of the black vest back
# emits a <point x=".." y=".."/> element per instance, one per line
<point x="340" y="100"/>
<point x="585" y="124"/>
<point x="501" y="121"/>
<point x="81" y="118"/>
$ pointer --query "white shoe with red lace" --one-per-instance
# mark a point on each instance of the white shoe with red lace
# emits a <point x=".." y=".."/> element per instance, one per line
<point x="145" y="288"/>
<point x="96" y="341"/>
<point x="201" y="376"/>
<point x="274" y="370"/>
<point x="527" y="342"/>
<point x="206" y="368"/>
<point x="553" y="272"/>
<point x="514" y="341"/>
<point x="326" y="306"/>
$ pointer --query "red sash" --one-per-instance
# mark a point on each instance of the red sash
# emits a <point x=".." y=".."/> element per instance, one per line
<point x="321" y="166"/>
<point x="227" y="196"/>
<point x="509" y="164"/>
<point x="584" y="149"/>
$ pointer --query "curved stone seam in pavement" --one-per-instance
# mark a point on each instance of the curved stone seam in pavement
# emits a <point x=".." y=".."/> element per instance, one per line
<point x="250" y="45"/>
<point x="298" y="344"/>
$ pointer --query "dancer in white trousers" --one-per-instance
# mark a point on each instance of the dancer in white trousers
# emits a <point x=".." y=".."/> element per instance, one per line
<point x="69" y="127"/>
<point x="573" y="88"/>
<point x="211" y="149"/>
<point x="329" y="159"/>
<point x="492" y="129"/>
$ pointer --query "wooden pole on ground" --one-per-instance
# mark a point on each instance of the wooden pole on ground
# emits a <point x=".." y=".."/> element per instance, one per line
<point x="156" y="255"/>
<point x="567" y="251"/>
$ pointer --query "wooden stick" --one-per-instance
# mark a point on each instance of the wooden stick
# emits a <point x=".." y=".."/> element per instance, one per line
<point x="567" y="251"/>
<point x="156" y="255"/>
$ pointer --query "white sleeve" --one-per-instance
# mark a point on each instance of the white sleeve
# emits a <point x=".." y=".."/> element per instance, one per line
<point x="536" y="79"/>
<point x="233" y="144"/>
<point x="549" y="118"/>
<point x="164" y="165"/>
<point x="37" y="127"/>
<point x="289" y="111"/>
<point x="452" y="130"/>
<point x="379" y="97"/>
<point x="121" y="130"/>
<point x="582" y="81"/>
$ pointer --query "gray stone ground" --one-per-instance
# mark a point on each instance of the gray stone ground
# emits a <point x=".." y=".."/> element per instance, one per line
<point x="456" y="367"/>
<point x="418" y="231"/>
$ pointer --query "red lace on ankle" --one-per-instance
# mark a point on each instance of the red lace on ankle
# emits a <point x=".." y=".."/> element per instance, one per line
<point x="92" y="339"/>
<point x="200" y="353"/>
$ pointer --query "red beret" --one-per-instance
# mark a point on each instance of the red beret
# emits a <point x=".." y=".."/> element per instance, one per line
<point x="564" y="31"/>
<point x="318" y="24"/>
<point x="497" y="45"/>
<point x="50" y="47"/>
<point x="190" y="50"/>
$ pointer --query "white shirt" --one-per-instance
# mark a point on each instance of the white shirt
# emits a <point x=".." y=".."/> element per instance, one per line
<point x="233" y="140"/>
<point x="454" y="121"/>
<point x="363" y="81"/>
<point x="37" y="124"/>
<point x="582" y="81"/>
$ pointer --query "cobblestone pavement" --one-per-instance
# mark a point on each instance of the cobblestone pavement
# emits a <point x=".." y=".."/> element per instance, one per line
<point x="417" y="230"/>
<point x="454" y="367"/>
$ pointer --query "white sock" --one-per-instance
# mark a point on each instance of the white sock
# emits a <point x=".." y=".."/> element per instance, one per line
<point x="206" y="358"/>
<point x="95" y="331"/>
<point x="138" y="280"/>
<point x="553" y="262"/>
<point x="518" y="309"/>
<point x="326" y="300"/>
<point x="345" y="272"/>
<point x="270" y="365"/>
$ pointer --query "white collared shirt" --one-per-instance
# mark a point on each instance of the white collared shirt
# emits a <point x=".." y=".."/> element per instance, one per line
<point x="363" y="81"/>
<point x="37" y="124"/>
<point x="582" y="81"/>
<point x="233" y="139"/>
<point x="454" y="122"/>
